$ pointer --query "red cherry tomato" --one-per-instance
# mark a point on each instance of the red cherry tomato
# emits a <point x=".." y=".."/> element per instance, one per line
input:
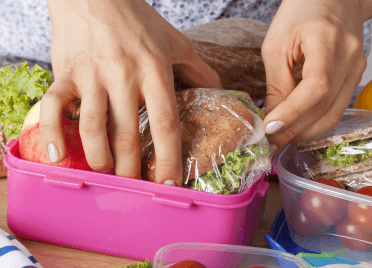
<point x="361" y="214"/>
<point x="330" y="182"/>
<point x="352" y="235"/>
<point x="188" y="264"/>
<point x="322" y="207"/>
<point x="305" y="226"/>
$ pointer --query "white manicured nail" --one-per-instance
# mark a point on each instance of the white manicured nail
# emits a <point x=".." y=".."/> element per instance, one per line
<point x="170" y="182"/>
<point x="275" y="126"/>
<point x="53" y="152"/>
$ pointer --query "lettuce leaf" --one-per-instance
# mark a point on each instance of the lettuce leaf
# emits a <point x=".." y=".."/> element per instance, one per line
<point x="146" y="264"/>
<point x="335" y="154"/>
<point x="19" y="90"/>
<point x="227" y="179"/>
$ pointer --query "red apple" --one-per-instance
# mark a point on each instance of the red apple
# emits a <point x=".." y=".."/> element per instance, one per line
<point x="303" y="225"/>
<point x="352" y="235"/>
<point x="31" y="149"/>
<point x="361" y="214"/>
<point x="321" y="207"/>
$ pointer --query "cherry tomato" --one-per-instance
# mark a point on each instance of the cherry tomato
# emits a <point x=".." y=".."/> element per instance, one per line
<point x="330" y="182"/>
<point x="352" y="235"/>
<point x="188" y="264"/>
<point x="305" y="226"/>
<point x="323" y="208"/>
<point x="361" y="214"/>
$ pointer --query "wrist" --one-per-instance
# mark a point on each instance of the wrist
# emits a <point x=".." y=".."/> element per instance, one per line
<point x="366" y="7"/>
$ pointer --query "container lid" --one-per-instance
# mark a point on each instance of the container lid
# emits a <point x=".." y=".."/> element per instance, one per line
<point x="220" y="255"/>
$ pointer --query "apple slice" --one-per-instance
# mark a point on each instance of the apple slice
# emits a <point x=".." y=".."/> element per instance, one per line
<point x="33" y="116"/>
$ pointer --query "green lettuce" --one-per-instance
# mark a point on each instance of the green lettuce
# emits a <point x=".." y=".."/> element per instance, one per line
<point x="146" y="264"/>
<point x="332" y="155"/>
<point x="19" y="91"/>
<point x="228" y="179"/>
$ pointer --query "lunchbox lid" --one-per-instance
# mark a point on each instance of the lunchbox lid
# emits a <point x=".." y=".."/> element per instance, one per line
<point x="246" y="256"/>
<point x="161" y="193"/>
<point x="284" y="160"/>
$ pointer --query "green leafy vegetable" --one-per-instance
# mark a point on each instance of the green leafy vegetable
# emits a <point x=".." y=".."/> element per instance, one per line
<point x="228" y="179"/>
<point x="146" y="264"/>
<point x="336" y="155"/>
<point x="19" y="91"/>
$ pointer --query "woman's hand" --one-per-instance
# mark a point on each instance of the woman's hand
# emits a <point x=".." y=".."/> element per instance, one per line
<point x="329" y="35"/>
<point x="114" y="55"/>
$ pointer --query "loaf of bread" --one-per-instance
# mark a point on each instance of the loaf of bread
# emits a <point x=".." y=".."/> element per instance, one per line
<point x="232" y="47"/>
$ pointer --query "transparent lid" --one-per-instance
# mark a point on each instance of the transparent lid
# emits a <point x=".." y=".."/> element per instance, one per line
<point x="220" y="255"/>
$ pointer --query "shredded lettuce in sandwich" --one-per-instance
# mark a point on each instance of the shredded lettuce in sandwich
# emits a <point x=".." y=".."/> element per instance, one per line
<point x="227" y="178"/>
<point x="19" y="91"/>
<point x="244" y="98"/>
<point x="146" y="264"/>
<point x="337" y="155"/>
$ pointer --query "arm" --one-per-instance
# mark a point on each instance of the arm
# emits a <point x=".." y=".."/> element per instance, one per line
<point x="114" y="55"/>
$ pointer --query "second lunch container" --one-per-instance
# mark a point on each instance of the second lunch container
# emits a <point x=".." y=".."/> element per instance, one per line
<point x="344" y="238"/>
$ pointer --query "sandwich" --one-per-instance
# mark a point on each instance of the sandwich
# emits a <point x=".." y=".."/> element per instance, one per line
<point x="343" y="153"/>
<point x="223" y="141"/>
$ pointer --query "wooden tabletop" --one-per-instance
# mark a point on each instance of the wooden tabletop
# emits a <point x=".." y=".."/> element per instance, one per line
<point x="52" y="256"/>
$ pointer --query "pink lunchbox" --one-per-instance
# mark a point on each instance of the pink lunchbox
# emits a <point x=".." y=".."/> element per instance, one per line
<point x="122" y="216"/>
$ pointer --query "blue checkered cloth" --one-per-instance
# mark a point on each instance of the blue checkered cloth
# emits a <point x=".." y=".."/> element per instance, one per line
<point x="14" y="255"/>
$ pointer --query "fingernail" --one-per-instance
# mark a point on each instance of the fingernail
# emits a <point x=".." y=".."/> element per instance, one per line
<point x="273" y="149"/>
<point x="53" y="152"/>
<point x="274" y="127"/>
<point x="170" y="182"/>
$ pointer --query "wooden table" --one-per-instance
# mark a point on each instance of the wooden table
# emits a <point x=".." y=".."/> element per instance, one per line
<point x="52" y="256"/>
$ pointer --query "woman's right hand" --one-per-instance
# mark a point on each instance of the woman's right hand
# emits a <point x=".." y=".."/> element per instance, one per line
<point x="115" y="55"/>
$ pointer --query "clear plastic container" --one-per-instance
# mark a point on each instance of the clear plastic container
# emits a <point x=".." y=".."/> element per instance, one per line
<point x="227" y="256"/>
<point x="342" y="237"/>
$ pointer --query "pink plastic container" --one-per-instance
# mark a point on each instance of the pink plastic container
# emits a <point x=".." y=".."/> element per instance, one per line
<point x="122" y="216"/>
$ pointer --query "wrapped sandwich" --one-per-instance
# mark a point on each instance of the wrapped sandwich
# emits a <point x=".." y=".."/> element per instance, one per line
<point x="343" y="153"/>
<point x="224" y="147"/>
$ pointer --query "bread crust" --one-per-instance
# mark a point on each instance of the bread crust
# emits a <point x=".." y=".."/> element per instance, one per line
<point x="322" y="170"/>
<point x="355" y="129"/>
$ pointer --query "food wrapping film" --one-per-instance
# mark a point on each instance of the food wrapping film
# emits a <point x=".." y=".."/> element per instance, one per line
<point x="343" y="153"/>
<point x="224" y="146"/>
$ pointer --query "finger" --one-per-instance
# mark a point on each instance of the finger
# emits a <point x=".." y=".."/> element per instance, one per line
<point x="123" y="113"/>
<point x="311" y="124"/>
<point x="92" y="126"/>
<point x="164" y="124"/>
<point x="280" y="80"/>
<point x="318" y="71"/>
<point x="333" y="116"/>
<point x="196" y="72"/>
<point x="58" y="96"/>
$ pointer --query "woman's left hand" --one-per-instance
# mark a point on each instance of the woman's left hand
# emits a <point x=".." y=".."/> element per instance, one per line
<point x="329" y="35"/>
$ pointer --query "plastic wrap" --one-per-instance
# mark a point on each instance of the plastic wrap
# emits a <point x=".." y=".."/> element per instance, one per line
<point x="343" y="153"/>
<point x="224" y="146"/>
